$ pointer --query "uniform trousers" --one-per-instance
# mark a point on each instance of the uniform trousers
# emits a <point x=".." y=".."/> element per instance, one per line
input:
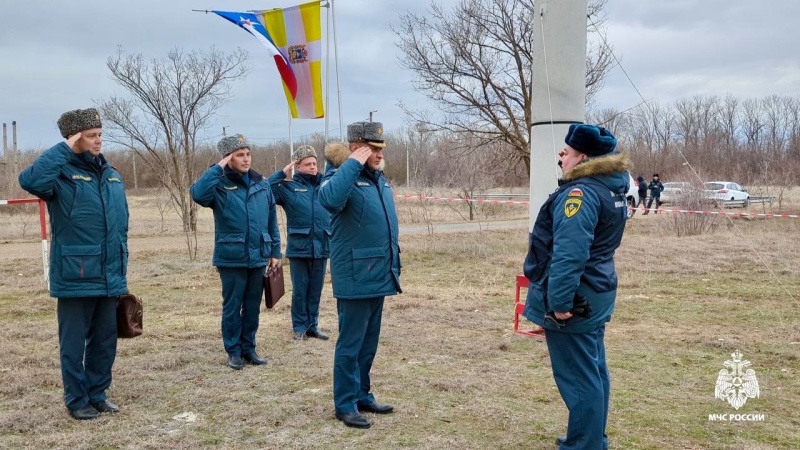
<point x="87" y="339"/>
<point x="581" y="374"/>
<point x="242" y="289"/>
<point x="359" y="331"/>
<point x="308" y="276"/>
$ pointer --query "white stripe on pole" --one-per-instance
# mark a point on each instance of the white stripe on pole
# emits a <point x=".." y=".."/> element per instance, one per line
<point x="3" y="202"/>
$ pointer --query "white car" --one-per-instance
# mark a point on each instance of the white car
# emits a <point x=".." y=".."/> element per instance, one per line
<point x="674" y="190"/>
<point x="726" y="191"/>
<point x="632" y="196"/>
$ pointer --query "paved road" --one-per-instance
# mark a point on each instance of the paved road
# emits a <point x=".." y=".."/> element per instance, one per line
<point x="465" y="226"/>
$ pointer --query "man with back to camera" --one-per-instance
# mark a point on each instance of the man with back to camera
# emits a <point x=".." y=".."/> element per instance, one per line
<point x="246" y="239"/>
<point x="308" y="231"/>
<point x="88" y="213"/>
<point x="365" y="263"/>
<point x="573" y="281"/>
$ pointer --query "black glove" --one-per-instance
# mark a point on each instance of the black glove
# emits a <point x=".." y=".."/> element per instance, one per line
<point x="580" y="307"/>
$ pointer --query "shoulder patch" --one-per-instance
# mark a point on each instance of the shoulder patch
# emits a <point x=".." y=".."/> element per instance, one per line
<point x="575" y="193"/>
<point x="572" y="206"/>
<point x="114" y="179"/>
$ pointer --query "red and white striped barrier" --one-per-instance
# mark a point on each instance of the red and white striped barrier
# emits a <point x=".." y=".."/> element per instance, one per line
<point x="459" y="199"/>
<point x="655" y="210"/>
<point x="42" y="226"/>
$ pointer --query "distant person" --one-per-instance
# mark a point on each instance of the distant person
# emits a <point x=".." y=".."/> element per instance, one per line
<point x="308" y="231"/>
<point x="88" y="213"/>
<point x="656" y="187"/>
<point x="642" y="189"/>
<point x="246" y="240"/>
<point x="365" y="263"/>
<point x="573" y="281"/>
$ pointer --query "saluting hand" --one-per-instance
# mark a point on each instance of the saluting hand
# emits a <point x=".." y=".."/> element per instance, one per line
<point x="72" y="140"/>
<point x="224" y="162"/>
<point x="361" y="154"/>
<point x="288" y="169"/>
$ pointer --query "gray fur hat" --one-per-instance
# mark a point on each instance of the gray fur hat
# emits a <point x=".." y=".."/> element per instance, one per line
<point x="303" y="152"/>
<point x="369" y="132"/>
<point x="230" y="144"/>
<point x="77" y="120"/>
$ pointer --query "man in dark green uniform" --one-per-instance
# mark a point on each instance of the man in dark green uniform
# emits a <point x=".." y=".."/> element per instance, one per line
<point x="246" y="239"/>
<point x="308" y="231"/>
<point x="365" y="263"/>
<point x="573" y="281"/>
<point x="88" y="256"/>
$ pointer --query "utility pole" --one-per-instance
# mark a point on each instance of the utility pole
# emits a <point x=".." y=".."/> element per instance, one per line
<point x="14" y="144"/>
<point x="135" y="179"/>
<point x="370" y="114"/>
<point x="223" y="130"/>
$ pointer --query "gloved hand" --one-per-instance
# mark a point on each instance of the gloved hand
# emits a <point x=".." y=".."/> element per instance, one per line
<point x="580" y="307"/>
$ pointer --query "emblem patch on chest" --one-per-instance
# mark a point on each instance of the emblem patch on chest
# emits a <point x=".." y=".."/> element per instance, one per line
<point x="81" y="177"/>
<point x="300" y="190"/>
<point x="362" y="183"/>
<point x="572" y="206"/>
<point x="231" y="188"/>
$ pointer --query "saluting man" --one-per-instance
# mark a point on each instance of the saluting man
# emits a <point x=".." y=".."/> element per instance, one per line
<point x="246" y="239"/>
<point x="308" y="231"/>
<point x="365" y="263"/>
<point x="88" y="256"/>
<point x="573" y="281"/>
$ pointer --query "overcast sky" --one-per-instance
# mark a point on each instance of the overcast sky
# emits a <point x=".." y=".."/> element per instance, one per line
<point x="53" y="54"/>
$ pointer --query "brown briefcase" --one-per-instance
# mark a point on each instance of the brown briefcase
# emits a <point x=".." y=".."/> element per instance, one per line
<point x="129" y="316"/>
<point x="273" y="286"/>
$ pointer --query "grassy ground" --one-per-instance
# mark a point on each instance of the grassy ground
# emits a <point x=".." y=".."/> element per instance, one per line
<point x="448" y="360"/>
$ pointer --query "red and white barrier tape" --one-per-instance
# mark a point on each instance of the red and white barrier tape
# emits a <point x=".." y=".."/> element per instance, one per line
<point x="658" y="210"/>
<point x="459" y="199"/>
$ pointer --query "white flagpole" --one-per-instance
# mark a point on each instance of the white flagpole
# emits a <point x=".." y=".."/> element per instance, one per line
<point x="327" y="67"/>
<point x="336" y="62"/>
<point x="291" y="138"/>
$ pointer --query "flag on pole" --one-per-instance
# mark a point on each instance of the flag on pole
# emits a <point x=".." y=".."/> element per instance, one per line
<point x="293" y="36"/>
<point x="250" y="23"/>
<point x="297" y="32"/>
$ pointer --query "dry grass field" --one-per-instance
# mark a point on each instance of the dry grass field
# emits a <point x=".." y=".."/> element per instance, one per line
<point x="449" y="361"/>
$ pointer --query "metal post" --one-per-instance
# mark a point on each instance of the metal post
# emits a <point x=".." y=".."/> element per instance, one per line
<point x="15" y="161"/>
<point x="135" y="180"/>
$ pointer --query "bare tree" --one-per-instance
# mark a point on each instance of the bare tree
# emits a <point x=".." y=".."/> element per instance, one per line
<point x="476" y="62"/>
<point x="171" y="101"/>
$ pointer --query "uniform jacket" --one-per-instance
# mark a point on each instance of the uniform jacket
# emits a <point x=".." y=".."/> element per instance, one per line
<point x="572" y="245"/>
<point x="308" y="228"/>
<point x="642" y="190"/>
<point x="365" y="256"/>
<point x="245" y="221"/>
<point x="88" y="222"/>
<point x="655" y="188"/>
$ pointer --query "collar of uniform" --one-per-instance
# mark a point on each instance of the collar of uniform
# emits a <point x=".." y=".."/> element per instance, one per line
<point x="601" y="165"/>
